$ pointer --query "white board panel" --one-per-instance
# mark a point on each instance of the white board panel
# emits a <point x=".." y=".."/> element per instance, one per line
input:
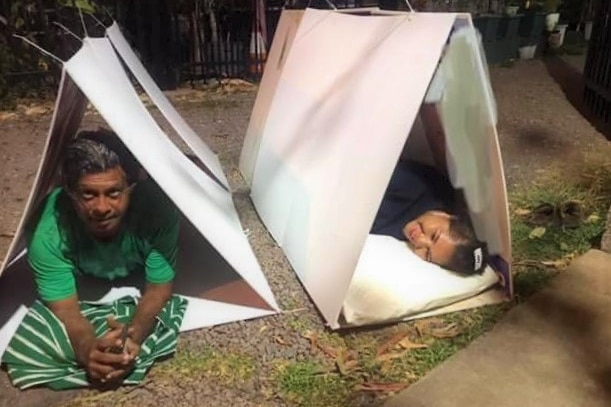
<point x="337" y="124"/>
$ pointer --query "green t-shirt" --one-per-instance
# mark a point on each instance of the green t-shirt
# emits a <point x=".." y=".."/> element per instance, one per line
<point x="60" y="246"/>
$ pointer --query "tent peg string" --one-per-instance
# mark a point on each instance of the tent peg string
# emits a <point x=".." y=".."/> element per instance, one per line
<point x="38" y="47"/>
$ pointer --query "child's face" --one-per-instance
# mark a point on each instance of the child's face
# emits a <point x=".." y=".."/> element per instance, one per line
<point x="429" y="237"/>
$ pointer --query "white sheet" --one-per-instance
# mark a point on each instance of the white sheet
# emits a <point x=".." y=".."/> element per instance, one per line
<point x="335" y="128"/>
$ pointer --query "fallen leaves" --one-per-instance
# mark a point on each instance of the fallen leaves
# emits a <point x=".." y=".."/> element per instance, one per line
<point x="396" y="347"/>
<point x="347" y="362"/>
<point x="537" y="233"/>
<point x="7" y="116"/>
<point x="408" y="344"/>
<point x="279" y="340"/>
<point x="35" y="110"/>
<point x="448" y="331"/>
<point x="593" y="218"/>
<point x="315" y="344"/>
<point x="236" y="85"/>
<point x="522" y="212"/>
<point x="381" y="387"/>
<point x="437" y="328"/>
<point x="391" y="343"/>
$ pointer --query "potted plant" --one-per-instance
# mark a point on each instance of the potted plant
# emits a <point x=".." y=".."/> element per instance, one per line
<point x="511" y="9"/>
<point x="551" y="8"/>
<point x="561" y="28"/>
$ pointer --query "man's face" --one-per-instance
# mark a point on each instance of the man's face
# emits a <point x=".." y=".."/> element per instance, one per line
<point x="429" y="237"/>
<point x="101" y="200"/>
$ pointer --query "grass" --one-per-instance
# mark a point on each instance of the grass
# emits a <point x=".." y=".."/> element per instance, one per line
<point x="206" y="363"/>
<point x="538" y="256"/>
<point x="186" y="367"/>
<point x="311" y="384"/>
<point x="536" y="260"/>
<point x="372" y="359"/>
<point x="365" y="366"/>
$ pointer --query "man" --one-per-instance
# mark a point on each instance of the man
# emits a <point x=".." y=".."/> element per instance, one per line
<point x="106" y="221"/>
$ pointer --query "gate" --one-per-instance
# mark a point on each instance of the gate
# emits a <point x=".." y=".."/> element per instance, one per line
<point x="597" y="71"/>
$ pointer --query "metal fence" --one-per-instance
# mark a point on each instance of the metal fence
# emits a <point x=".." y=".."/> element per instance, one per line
<point x="597" y="71"/>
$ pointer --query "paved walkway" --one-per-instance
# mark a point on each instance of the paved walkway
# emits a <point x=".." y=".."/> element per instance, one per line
<point x="553" y="350"/>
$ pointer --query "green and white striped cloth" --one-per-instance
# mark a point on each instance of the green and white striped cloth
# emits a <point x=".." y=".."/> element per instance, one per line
<point x="40" y="352"/>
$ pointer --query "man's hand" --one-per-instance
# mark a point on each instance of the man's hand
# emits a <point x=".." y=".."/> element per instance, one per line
<point x="120" y="364"/>
<point x="104" y="366"/>
<point x="92" y="352"/>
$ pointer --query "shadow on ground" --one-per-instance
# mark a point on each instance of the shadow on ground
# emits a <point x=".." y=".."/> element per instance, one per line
<point x="572" y="83"/>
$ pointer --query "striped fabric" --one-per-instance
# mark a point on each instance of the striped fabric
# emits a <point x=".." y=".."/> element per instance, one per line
<point x="40" y="352"/>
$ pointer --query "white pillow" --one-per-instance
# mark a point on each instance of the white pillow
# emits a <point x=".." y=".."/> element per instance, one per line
<point x="391" y="282"/>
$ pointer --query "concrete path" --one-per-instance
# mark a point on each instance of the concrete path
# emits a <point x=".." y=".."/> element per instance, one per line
<point x="553" y="350"/>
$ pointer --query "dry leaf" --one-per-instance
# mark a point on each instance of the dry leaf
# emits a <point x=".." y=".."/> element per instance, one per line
<point x="556" y="263"/>
<point x="382" y="387"/>
<point x="346" y="361"/>
<point x="391" y="343"/>
<point x="390" y="356"/>
<point x="537" y="233"/>
<point x="522" y="212"/>
<point x="408" y="344"/>
<point x="593" y="218"/>
<point x="35" y="110"/>
<point x="263" y="328"/>
<point x="312" y="336"/>
<point x="279" y="340"/>
<point x="327" y="350"/>
<point x="448" y="331"/>
<point x="423" y="326"/>
<point x="7" y="116"/>
<point x="315" y="344"/>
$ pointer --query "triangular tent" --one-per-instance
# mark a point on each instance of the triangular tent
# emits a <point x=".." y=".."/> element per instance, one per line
<point x="217" y="270"/>
<point x="338" y="104"/>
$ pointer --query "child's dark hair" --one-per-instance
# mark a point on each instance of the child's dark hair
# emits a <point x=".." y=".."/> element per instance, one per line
<point x="471" y="254"/>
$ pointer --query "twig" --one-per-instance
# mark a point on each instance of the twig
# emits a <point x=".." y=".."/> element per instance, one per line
<point x="531" y="263"/>
<point x="293" y="311"/>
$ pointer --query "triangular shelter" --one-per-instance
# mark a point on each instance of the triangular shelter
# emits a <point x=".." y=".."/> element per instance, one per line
<point x="339" y="102"/>
<point x="217" y="270"/>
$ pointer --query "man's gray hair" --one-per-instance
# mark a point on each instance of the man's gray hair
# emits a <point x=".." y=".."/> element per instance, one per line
<point x="93" y="152"/>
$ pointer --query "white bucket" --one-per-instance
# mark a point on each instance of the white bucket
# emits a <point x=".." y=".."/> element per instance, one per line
<point x="587" y="32"/>
<point x="554" y="40"/>
<point x="528" y="51"/>
<point x="562" y="29"/>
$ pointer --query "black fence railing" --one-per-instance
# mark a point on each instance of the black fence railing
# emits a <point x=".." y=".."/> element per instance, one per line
<point x="597" y="71"/>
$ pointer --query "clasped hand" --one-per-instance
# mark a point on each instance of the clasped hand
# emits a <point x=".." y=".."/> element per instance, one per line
<point x="105" y="366"/>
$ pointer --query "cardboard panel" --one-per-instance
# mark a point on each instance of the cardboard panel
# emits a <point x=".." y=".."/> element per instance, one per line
<point x="336" y="126"/>
<point x="209" y="207"/>
<point x="467" y="114"/>
<point x="216" y="270"/>
<point x="70" y="107"/>
<point x="281" y="46"/>
<point x="197" y="145"/>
